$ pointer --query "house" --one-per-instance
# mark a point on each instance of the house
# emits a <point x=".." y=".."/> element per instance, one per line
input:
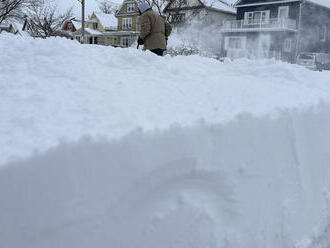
<point x="8" y="27"/>
<point x="71" y="26"/>
<point x="17" y="28"/>
<point x="207" y="11"/>
<point x="121" y="29"/>
<point x="98" y="29"/>
<point x="277" y="29"/>
<point x="128" y="23"/>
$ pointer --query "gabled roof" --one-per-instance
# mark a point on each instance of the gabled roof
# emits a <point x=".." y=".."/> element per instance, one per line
<point x="324" y="3"/>
<point x="107" y="20"/>
<point x="122" y="5"/>
<point x="219" y="5"/>
<point x="222" y="5"/>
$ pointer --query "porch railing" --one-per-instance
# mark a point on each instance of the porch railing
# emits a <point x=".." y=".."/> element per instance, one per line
<point x="275" y="23"/>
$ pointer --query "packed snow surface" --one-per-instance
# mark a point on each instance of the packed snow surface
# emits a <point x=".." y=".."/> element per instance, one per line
<point x="57" y="89"/>
<point x="121" y="148"/>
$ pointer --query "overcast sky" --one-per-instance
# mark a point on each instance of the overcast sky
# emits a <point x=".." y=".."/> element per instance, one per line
<point x="91" y="5"/>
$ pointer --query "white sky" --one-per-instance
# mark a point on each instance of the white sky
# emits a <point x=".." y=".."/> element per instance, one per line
<point x="91" y="5"/>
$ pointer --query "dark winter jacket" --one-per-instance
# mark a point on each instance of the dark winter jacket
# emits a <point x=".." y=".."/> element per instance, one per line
<point x="154" y="30"/>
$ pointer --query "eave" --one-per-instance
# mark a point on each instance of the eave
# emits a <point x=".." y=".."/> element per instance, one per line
<point x="237" y="5"/>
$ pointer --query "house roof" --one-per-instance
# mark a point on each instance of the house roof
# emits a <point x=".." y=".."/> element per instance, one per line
<point x="325" y="3"/>
<point x="107" y="20"/>
<point x="93" y="31"/>
<point x="220" y="5"/>
<point x="77" y="24"/>
<point x="223" y="5"/>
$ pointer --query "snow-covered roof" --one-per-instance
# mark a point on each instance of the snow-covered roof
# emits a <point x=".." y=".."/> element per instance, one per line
<point x="77" y="24"/>
<point x="107" y="20"/>
<point x="223" y="5"/>
<point x="325" y="3"/>
<point x="93" y="31"/>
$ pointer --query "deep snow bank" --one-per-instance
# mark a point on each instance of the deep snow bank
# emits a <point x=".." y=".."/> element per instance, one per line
<point x="252" y="182"/>
<point x="57" y="89"/>
<point x="225" y="154"/>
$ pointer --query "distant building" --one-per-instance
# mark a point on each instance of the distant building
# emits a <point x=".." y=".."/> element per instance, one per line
<point x="128" y="23"/>
<point x="208" y="11"/>
<point x="277" y="29"/>
<point x="121" y="29"/>
<point x="8" y="27"/>
<point x="71" y="26"/>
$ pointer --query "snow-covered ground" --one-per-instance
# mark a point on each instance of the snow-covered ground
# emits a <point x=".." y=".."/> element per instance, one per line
<point x="121" y="148"/>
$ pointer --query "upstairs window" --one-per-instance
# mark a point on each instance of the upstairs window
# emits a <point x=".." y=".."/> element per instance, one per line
<point x="130" y="7"/>
<point x="323" y="33"/>
<point x="256" y="17"/>
<point x="70" y="26"/>
<point x="127" y="23"/>
<point x="283" y="12"/>
<point x="177" y="18"/>
<point x="95" y="25"/>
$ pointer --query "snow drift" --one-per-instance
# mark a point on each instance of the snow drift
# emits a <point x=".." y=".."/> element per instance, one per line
<point x="210" y="155"/>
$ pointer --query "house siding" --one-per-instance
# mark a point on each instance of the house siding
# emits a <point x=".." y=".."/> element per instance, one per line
<point x="243" y="2"/>
<point x="311" y="25"/>
<point x="293" y="10"/>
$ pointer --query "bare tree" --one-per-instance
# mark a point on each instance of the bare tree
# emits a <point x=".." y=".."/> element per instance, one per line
<point x="14" y="9"/>
<point x="158" y="5"/>
<point x="44" y="21"/>
<point x="108" y="7"/>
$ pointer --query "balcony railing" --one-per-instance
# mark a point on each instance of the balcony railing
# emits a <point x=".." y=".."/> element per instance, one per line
<point x="251" y="25"/>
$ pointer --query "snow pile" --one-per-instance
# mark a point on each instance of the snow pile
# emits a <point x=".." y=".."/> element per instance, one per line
<point x="182" y="151"/>
<point x="58" y="89"/>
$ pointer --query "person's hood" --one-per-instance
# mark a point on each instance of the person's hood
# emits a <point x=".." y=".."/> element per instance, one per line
<point x="143" y="7"/>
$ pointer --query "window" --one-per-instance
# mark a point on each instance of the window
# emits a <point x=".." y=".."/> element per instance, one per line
<point x="323" y="33"/>
<point x="178" y="18"/>
<point x="95" y="25"/>
<point x="130" y="7"/>
<point x="257" y="17"/>
<point x="287" y="45"/>
<point x="127" y="23"/>
<point x="283" y="12"/>
<point x="235" y="43"/>
<point x="125" y="41"/>
<point x="70" y="26"/>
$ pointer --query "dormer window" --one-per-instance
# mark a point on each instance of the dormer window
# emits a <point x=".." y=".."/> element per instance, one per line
<point x="130" y="7"/>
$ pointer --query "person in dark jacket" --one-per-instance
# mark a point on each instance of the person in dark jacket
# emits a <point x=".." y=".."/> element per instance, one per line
<point x="155" y="30"/>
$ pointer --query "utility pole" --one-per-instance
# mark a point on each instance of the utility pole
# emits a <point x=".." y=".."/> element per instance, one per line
<point x="82" y="21"/>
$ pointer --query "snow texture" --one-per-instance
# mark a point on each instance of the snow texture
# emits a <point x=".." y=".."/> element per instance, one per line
<point x="224" y="5"/>
<point x="122" y="148"/>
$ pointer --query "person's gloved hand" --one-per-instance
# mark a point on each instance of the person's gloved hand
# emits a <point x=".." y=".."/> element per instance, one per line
<point x="140" y="41"/>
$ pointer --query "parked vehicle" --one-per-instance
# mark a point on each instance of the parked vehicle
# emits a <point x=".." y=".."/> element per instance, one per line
<point x="314" y="61"/>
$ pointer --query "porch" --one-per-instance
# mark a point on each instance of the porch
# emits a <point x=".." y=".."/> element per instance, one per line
<point x="248" y="25"/>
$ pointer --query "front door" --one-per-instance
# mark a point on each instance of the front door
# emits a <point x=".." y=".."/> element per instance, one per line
<point x="263" y="46"/>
